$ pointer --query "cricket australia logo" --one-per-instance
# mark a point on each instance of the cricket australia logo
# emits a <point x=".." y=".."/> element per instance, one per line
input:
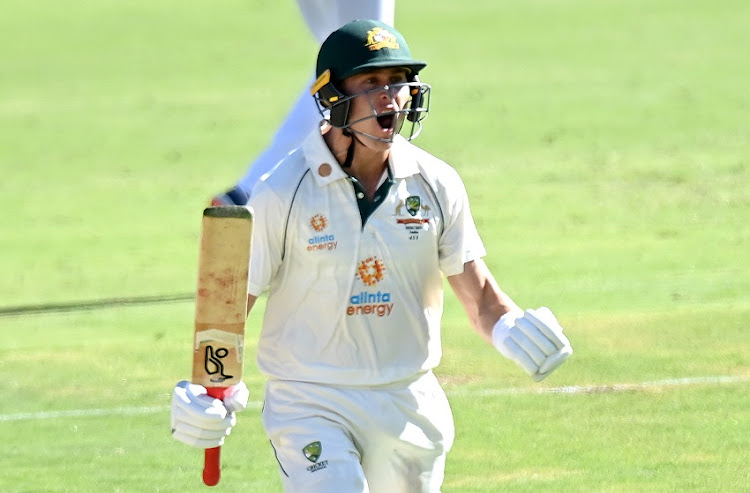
<point x="378" y="38"/>
<point x="319" y="223"/>
<point x="371" y="271"/>
<point x="313" y="452"/>
<point x="412" y="204"/>
<point x="418" y="218"/>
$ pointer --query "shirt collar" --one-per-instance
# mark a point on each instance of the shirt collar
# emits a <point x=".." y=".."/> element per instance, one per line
<point x="401" y="161"/>
<point x="320" y="160"/>
<point x="326" y="169"/>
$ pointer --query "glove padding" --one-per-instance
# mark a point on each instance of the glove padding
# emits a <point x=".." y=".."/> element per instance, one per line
<point x="236" y="397"/>
<point x="201" y="421"/>
<point x="534" y="340"/>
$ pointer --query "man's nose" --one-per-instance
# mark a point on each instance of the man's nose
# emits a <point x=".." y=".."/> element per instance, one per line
<point x="388" y="93"/>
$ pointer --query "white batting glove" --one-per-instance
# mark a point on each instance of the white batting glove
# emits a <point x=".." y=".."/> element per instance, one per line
<point x="201" y="421"/>
<point x="534" y="340"/>
<point x="236" y="397"/>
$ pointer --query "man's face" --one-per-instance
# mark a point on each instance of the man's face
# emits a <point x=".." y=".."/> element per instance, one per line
<point x="374" y="100"/>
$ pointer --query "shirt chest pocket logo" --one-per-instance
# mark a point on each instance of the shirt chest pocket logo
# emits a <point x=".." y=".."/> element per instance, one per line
<point x="413" y="215"/>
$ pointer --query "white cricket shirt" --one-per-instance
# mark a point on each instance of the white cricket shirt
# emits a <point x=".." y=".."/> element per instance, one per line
<point x="353" y="304"/>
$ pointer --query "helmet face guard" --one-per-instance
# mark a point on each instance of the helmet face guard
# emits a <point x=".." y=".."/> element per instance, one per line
<point x="335" y="106"/>
<point x="364" y="46"/>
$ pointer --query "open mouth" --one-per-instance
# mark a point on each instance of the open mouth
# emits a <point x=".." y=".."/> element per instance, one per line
<point x="386" y="121"/>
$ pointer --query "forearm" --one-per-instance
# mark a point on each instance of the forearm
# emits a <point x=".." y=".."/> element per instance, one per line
<point x="494" y="304"/>
<point x="481" y="297"/>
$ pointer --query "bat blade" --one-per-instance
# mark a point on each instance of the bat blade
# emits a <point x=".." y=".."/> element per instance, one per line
<point x="221" y="308"/>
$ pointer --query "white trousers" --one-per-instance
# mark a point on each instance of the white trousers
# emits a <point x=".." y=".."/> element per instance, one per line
<point x="390" y="439"/>
<point x="322" y="18"/>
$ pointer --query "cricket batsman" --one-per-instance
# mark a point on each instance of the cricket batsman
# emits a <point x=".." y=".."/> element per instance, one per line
<point x="354" y="233"/>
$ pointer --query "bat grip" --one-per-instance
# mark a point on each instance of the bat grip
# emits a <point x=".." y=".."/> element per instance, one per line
<point x="212" y="457"/>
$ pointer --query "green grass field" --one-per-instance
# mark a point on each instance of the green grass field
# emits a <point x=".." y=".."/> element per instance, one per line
<point x="604" y="145"/>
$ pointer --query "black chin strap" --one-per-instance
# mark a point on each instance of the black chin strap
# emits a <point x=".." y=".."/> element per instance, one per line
<point x="350" y="152"/>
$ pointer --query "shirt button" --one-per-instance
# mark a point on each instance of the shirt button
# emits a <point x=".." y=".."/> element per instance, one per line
<point x="360" y="195"/>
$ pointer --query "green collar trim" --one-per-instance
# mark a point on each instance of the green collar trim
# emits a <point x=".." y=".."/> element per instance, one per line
<point x="366" y="208"/>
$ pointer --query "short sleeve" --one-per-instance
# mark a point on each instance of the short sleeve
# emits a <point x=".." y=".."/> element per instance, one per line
<point x="268" y="236"/>
<point x="460" y="242"/>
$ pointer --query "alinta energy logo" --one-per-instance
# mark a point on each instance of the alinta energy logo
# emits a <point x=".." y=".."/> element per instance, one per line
<point x="323" y="241"/>
<point x="370" y="271"/>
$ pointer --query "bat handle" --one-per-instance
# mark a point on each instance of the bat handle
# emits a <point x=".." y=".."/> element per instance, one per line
<point x="212" y="458"/>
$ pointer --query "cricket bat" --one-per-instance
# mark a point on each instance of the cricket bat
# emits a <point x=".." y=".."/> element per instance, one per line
<point x="221" y="308"/>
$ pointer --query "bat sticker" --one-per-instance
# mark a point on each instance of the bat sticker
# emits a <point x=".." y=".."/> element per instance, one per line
<point x="214" y="365"/>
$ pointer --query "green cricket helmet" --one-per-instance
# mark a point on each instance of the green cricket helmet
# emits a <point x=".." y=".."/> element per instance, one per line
<point x="361" y="46"/>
